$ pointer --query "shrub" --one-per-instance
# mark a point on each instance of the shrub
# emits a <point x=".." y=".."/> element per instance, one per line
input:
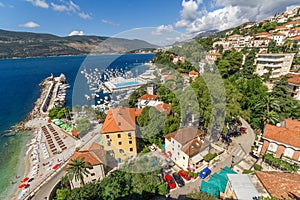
<point x="210" y="156"/>
<point x="257" y="167"/>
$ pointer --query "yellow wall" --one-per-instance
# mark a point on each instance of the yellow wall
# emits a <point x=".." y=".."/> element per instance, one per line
<point x="115" y="146"/>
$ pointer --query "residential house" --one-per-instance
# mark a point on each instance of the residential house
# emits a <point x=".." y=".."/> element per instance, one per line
<point x="163" y="107"/>
<point x="274" y="65"/>
<point x="294" y="32"/>
<point x="297" y="39"/>
<point x="240" y="186"/>
<point x="279" y="38"/>
<point x="291" y="24"/>
<point x="119" y="133"/>
<point x="294" y="85"/>
<point x="213" y="56"/>
<point x="223" y="43"/>
<point x="193" y="75"/>
<point x="280" y="185"/>
<point x="98" y="163"/>
<point x="260" y="42"/>
<point x="283" y="141"/>
<point x="186" y="147"/>
<point x="148" y="100"/>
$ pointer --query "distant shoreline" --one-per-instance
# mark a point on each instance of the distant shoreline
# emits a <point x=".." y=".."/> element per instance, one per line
<point x="81" y="55"/>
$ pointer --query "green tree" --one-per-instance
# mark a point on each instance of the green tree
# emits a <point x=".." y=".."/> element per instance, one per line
<point x="77" y="170"/>
<point x="83" y="125"/>
<point x="268" y="108"/>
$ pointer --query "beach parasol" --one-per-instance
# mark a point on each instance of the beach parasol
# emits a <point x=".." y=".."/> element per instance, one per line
<point x="55" y="166"/>
<point x="22" y="185"/>
<point x="25" y="179"/>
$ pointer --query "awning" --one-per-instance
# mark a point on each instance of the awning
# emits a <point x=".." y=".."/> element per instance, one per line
<point x="55" y="166"/>
<point x="197" y="158"/>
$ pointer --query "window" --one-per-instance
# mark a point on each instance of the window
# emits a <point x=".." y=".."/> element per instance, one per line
<point x="130" y="141"/>
<point x="183" y="158"/>
<point x="120" y="143"/>
<point x="131" y="149"/>
<point x="108" y="143"/>
<point x="119" y="135"/>
<point x="172" y="149"/>
<point x="178" y="153"/>
<point x="178" y="146"/>
<point x="129" y="135"/>
<point x="107" y="136"/>
<point x="92" y="174"/>
<point x="121" y="151"/>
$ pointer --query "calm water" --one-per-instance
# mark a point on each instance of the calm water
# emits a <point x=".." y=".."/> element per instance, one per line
<point x="19" y="88"/>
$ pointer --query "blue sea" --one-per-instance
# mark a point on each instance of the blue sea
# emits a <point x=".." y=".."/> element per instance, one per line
<point x="19" y="88"/>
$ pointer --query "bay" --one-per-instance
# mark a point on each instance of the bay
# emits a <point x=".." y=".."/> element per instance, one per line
<point x="19" y="88"/>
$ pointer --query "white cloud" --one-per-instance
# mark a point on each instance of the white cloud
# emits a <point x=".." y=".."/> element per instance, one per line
<point x="84" y="15"/>
<point x="162" y="29"/>
<point x="76" y="32"/>
<point x="30" y="24"/>
<point x="59" y="8"/>
<point x="71" y="8"/>
<point x="105" y="21"/>
<point x="39" y="3"/>
<point x="226" y="14"/>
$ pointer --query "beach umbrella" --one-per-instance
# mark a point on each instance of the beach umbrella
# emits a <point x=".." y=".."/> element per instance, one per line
<point x="55" y="166"/>
<point x="25" y="179"/>
<point x="22" y="185"/>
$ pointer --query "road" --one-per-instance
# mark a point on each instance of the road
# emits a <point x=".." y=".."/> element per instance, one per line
<point x="45" y="190"/>
<point x="240" y="148"/>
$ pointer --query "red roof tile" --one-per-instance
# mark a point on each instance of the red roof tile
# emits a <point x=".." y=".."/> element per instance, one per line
<point x="297" y="38"/>
<point x="148" y="97"/>
<point x="294" y="79"/>
<point x="193" y="73"/>
<point x="163" y="107"/>
<point x="284" y="135"/>
<point x="280" y="184"/>
<point x="138" y="112"/>
<point x="118" y="120"/>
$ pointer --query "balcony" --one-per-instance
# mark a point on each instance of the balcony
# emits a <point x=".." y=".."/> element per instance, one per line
<point x="270" y="59"/>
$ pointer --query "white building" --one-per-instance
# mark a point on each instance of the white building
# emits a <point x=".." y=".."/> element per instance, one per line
<point x="98" y="163"/>
<point x="279" y="38"/>
<point x="273" y="64"/>
<point x="186" y="147"/>
<point x="294" y="85"/>
<point x="148" y="100"/>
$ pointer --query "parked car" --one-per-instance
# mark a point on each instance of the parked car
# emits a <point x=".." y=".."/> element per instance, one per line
<point x="178" y="179"/>
<point x="170" y="181"/>
<point x="204" y="173"/>
<point x="184" y="175"/>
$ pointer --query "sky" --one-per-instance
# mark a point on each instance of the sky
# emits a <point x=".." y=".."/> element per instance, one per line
<point x="176" y="18"/>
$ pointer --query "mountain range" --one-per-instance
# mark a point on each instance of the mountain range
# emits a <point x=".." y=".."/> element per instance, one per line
<point x="27" y="44"/>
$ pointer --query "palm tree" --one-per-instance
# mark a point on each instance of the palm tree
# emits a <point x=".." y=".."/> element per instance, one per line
<point x="77" y="169"/>
<point x="268" y="108"/>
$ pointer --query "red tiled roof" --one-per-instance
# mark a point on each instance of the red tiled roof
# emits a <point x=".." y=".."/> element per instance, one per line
<point x="284" y="135"/>
<point x="297" y="38"/>
<point x="138" y="112"/>
<point x="185" y="134"/>
<point x="235" y="35"/>
<point x="163" y="107"/>
<point x="148" y="97"/>
<point x="292" y="124"/>
<point x="280" y="184"/>
<point x="93" y="155"/>
<point x="293" y="79"/>
<point x="183" y="74"/>
<point x="118" y="120"/>
<point x="280" y="27"/>
<point x="193" y="73"/>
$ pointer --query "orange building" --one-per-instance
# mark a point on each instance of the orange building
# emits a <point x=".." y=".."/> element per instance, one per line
<point x="119" y="133"/>
<point x="282" y="141"/>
